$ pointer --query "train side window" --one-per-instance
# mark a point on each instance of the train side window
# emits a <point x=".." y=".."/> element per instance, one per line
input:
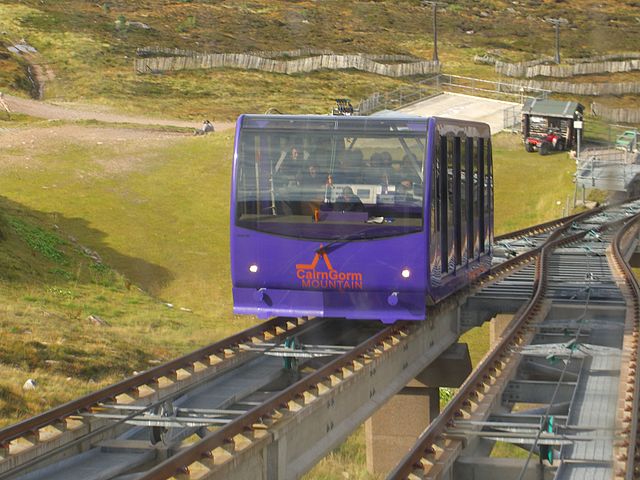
<point x="463" y="200"/>
<point x="469" y="195"/>
<point x="451" y="204"/>
<point x="434" y="238"/>
<point x="488" y="182"/>
<point x="248" y="176"/>
<point x="444" y="205"/>
<point x="476" y="196"/>
<point x="482" y="233"/>
<point x="457" y="222"/>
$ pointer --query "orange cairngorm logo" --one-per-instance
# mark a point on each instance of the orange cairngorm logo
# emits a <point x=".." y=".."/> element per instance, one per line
<point x="332" y="278"/>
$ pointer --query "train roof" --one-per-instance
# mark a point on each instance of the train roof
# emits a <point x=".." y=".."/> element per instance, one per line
<point x="327" y="123"/>
<point x="383" y="120"/>
<point x="335" y="118"/>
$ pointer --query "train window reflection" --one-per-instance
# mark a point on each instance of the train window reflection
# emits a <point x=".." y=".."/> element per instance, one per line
<point x="329" y="184"/>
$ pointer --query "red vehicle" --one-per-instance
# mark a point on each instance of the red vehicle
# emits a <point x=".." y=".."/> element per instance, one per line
<point x="545" y="143"/>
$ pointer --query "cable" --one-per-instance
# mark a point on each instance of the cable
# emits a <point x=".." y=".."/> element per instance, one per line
<point x="545" y="417"/>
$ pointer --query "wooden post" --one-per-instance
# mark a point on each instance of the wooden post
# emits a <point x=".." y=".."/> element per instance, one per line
<point x="4" y="105"/>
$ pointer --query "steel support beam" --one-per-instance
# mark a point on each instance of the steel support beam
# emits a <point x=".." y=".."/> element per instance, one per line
<point x="530" y="391"/>
<point x="482" y="468"/>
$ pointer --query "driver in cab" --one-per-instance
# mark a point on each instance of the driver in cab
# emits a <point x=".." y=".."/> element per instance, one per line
<point x="348" y="201"/>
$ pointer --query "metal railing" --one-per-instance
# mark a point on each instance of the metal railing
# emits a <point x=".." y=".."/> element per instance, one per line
<point x="441" y="82"/>
<point x="501" y="90"/>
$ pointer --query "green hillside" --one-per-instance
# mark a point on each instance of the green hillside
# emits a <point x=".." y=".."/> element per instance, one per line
<point x="56" y="294"/>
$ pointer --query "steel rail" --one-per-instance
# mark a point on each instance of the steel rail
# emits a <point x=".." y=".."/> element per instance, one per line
<point x="542" y="227"/>
<point x="630" y="419"/>
<point x="224" y="350"/>
<point x="424" y="447"/>
<point x="245" y="424"/>
<point x="499" y="271"/>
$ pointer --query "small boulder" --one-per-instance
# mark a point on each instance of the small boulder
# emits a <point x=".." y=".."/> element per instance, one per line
<point x="141" y="25"/>
<point x="96" y="320"/>
<point x="30" y="384"/>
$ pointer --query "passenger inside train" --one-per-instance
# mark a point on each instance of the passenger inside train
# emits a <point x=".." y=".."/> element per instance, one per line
<point x="333" y="177"/>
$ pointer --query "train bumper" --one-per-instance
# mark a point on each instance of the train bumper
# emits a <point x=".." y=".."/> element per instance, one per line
<point x="388" y="307"/>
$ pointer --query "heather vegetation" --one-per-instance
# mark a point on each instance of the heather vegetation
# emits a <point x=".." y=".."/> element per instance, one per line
<point x="91" y="46"/>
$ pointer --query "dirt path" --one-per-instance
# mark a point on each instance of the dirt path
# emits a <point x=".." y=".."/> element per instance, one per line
<point x="54" y="111"/>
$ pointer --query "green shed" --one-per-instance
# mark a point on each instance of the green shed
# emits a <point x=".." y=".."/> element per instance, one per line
<point x="541" y="116"/>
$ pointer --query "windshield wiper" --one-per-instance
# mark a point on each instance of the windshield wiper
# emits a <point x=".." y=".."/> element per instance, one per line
<point x="359" y="235"/>
<point x="345" y="238"/>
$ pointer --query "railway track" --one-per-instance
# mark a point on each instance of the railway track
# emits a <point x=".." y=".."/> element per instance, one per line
<point x="49" y="435"/>
<point x="198" y="414"/>
<point x="572" y="348"/>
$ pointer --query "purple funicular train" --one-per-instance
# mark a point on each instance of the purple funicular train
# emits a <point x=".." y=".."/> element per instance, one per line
<point x="357" y="217"/>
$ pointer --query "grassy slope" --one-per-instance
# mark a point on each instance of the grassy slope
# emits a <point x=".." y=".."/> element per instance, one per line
<point x="153" y="215"/>
<point x="49" y="286"/>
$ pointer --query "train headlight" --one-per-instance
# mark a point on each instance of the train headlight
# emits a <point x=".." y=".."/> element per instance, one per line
<point x="406" y="273"/>
<point x="253" y="268"/>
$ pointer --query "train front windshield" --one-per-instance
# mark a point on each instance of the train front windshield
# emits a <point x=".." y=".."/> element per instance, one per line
<point x="331" y="178"/>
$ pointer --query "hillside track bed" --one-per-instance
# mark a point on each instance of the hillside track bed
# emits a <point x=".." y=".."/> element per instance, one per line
<point x="582" y="316"/>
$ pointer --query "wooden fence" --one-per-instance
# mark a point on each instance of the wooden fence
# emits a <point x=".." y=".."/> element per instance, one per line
<point x="565" y="71"/>
<point x="543" y="67"/>
<point x="367" y="63"/>
<point x="621" y="88"/>
<point x="490" y="60"/>
<point x="621" y="115"/>
<point x="155" y="51"/>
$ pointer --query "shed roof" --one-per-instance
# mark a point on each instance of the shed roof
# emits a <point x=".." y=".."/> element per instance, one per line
<point x="551" y="108"/>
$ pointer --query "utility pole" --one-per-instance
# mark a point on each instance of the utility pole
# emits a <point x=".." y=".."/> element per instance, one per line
<point x="557" y="22"/>
<point x="435" y="27"/>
